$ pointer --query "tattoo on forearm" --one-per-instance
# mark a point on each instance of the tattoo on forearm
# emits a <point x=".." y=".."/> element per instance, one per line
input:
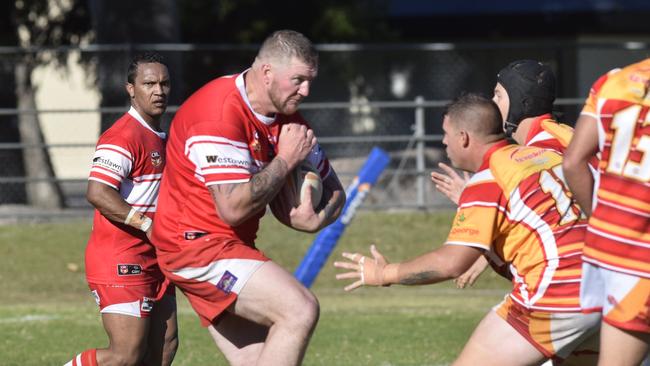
<point x="420" y="278"/>
<point x="266" y="184"/>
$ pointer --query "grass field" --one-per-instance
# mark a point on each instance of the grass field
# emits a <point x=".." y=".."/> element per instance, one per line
<point x="47" y="314"/>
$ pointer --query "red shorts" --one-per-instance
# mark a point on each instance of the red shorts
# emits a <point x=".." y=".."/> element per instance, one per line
<point x="211" y="271"/>
<point x="132" y="300"/>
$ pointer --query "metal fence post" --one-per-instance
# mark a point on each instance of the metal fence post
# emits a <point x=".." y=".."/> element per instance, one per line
<point x="419" y="151"/>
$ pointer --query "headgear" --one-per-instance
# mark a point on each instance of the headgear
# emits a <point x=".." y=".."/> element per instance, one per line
<point x="531" y="90"/>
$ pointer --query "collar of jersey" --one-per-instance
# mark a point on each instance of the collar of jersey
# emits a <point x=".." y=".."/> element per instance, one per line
<point x="241" y="86"/>
<point x="536" y="126"/>
<point x="491" y="150"/>
<point x="139" y="118"/>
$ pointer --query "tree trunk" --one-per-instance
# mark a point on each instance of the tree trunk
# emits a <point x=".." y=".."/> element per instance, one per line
<point x="43" y="192"/>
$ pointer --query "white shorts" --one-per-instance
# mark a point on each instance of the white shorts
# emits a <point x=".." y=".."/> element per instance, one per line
<point x="623" y="299"/>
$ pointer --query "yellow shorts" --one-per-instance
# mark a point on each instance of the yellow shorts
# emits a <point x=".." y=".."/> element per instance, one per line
<point x="555" y="335"/>
<point x="623" y="299"/>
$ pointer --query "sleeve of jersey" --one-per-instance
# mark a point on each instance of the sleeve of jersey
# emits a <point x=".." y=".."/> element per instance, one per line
<point x="318" y="160"/>
<point x="112" y="162"/>
<point x="316" y="157"/>
<point x="591" y="104"/>
<point x="481" y="211"/>
<point x="219" y="153"/>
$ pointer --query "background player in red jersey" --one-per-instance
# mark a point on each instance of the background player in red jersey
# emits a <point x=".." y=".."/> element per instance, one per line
<point x="231" y="146"/>
<point x="138" y="307"/>
<point x="516" y="208"/>
<point x="616" y="271"/>
<point x="524" y="93"/>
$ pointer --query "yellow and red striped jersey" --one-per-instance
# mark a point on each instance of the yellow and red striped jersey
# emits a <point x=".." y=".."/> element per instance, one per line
<point x="518" y="208"/>
<point x="618" y="235"/>
<point x="547" y="133"/>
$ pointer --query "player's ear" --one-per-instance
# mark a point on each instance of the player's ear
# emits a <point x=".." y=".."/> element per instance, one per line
<point x="464" y="138"/>
<point x="267" y="73"/>
<point x="130" y="90"/>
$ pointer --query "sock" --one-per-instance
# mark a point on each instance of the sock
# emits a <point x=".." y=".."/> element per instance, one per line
<point x="85" y="358"/>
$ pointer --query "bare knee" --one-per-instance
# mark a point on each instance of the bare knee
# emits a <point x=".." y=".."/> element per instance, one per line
<point x="123" y="356"/>
<point x="304" y="315"/>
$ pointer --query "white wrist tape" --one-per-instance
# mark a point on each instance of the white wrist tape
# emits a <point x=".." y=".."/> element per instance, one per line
<point x="129" y="217"/>
<point x="146" y="224"/>
<point x="146" y="221"/>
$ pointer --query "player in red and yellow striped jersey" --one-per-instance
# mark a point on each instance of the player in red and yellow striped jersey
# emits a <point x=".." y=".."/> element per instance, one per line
<point x="524" y="93"/>
<point x="615" y="122"/>
<point x="515" y="207"/>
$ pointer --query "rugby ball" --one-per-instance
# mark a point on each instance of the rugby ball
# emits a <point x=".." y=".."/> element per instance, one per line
<point x="305" y="178"/>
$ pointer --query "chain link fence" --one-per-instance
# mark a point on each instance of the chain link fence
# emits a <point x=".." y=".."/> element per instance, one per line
<point x="389" y="96"/>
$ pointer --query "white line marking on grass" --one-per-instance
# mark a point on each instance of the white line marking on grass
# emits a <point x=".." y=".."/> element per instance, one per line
<point x="29" y="318"/>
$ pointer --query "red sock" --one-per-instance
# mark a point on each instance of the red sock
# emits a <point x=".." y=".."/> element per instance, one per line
<point x="85" y="358"/>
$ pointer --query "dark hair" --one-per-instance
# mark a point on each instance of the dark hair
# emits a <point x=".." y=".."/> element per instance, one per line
<point x="476" y="113"/>
<point x="143" y="58"/>
<point x="283" y="44"/>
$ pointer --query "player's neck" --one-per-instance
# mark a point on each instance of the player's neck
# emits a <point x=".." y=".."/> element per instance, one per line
<point x="522" y="130"/>
<point x="152" y="121"/>
<point x="259" y="101"/>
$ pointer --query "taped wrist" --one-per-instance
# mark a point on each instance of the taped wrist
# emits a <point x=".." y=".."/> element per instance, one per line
<point x="138" y="220"/>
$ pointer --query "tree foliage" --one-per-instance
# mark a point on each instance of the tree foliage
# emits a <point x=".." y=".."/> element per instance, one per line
<point x="249" y="21"/>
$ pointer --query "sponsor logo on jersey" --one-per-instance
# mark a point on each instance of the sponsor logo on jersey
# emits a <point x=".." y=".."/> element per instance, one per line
<point x="226" y="161"/>
<point x="128" y="269"/>
<point x="461" y="219"/>
<point x="255" y="145"/>
<point x="147" y="304"/>
<point x="191" y="235"/>
<point x="156" y="159"/>
<point x="106" y="163"/>
<point x="464" y="231"/>
<point x="227" y="282"/>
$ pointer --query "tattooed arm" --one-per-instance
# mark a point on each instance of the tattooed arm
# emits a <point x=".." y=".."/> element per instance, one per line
<point x="444" y="263"/>
<point x="237" y="202"/>
<point x="303" y="217"/>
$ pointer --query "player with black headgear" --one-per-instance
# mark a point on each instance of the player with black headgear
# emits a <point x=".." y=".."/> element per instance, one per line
<point x="524" y="93"/>
<point x="530" y="92"/>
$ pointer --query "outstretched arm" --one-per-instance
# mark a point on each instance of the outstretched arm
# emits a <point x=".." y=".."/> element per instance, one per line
<point x="444" y="263"/>
<point x="449" y="183"/>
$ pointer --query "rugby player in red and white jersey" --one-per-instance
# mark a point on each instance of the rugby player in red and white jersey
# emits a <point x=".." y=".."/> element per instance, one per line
<point x="137" y="304"/>
<point x="616" y="270"/>
<point x="231" y="146"/>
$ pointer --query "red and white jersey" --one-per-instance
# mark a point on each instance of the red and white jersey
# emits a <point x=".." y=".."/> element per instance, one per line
<point x="517" y="207"/>
<point x="129" y="157"/>
<point x="618" y="236"/>
<point x="216" y="138"/>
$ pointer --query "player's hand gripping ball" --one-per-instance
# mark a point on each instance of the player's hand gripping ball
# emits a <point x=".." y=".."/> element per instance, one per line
<point x="303" y="179"/>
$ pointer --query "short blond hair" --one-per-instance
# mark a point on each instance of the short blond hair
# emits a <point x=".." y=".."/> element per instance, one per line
<point x="282" y="45"/>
